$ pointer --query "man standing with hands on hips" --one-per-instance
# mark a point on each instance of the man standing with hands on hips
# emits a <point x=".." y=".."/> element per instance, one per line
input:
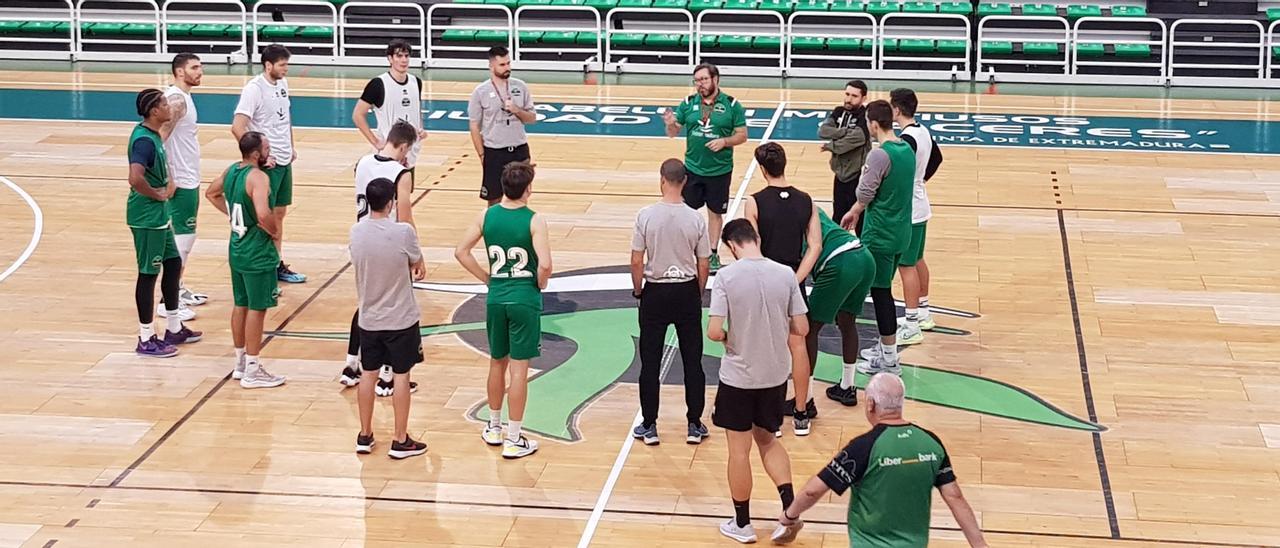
<point x="499" y="109"/>
<point x="714" y="123"/>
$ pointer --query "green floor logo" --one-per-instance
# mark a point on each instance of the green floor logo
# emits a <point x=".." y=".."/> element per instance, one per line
<point x="590" y="332"/>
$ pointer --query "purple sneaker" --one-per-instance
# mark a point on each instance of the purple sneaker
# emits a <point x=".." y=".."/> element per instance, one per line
<point x="183" y="336"/>
<point x="155" y="348"/>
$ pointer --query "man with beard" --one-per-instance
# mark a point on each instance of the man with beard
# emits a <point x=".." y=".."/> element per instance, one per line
<point x="499" y="109"/>
<point x="714" y="122"/>
<point x="182" y="147"/>
<point x="846" y="138"/>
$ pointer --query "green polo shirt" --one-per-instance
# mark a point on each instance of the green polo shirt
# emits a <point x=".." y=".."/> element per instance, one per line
<point x="725" y="115"/>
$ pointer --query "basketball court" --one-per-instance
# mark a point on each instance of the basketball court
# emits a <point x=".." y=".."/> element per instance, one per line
<point x="1105" y="371"/>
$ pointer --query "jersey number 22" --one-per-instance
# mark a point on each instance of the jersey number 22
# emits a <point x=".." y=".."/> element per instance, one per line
<point x="498" y="258"/>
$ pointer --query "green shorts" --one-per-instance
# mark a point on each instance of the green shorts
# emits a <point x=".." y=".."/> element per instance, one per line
<point x="254" y="290"/>
<point x="281" y="178"/>
<point x="514" y="330"/>
<point x="183" y="208"/>
<point x="886" y="266"/>
<point x="842" y="286"/>
<point x="153" y="246"/>
<point x="915" y="249"/>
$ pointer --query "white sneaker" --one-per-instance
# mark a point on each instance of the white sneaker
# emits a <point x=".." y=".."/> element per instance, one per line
<point x="745" y="535"/>
<point x="492" y="435"/>
<point x="191" y="298"/>
<point x="873" y="351"/>
<point x="239" y="371"/>
<point x="185" y="313"/>
<point x="522" y="447"/>
<point x="350" y="376"/>
<point x="784" y="534"/>
<point x="879" y="364"/>
<point x="260" y="378"/>
<point x="926" y="322"/>
<point x="908" y="335"/>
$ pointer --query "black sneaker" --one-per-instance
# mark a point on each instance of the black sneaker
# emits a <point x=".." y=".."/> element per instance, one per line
<point x="810" y="410"/>
<point x="364" y="444"/>
<point x="349" y="376"/>
<point x="387" y="388"/>
<point x="801" y="423"/>
<point x="407" y="448"/>
<point x="847" y="397"/>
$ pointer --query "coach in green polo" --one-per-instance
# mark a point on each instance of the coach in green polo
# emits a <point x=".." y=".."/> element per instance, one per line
<point x="714" y="122"/>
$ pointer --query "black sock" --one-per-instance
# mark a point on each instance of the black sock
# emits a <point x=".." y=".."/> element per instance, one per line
<point x="788" y="495"/>
<point x="742" y="512"/>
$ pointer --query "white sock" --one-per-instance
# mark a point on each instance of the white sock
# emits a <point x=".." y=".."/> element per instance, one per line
<point x="924" y="307"/>
<point x="250" y="365"/>
<point x="810" y="390"/>
<point x="145" y="331"/>
<point x="495" y="418"/>
<point x="353" y="360"/>
<point x="513" y="430"/>
<point x="846" y="376"/>
<point x="175" y="323"/>
<point x="913" y="318"/>
<point x="890" y="351"/>
<point x="239" y="356"/>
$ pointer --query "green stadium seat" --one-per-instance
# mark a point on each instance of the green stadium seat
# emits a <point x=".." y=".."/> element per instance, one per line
<point x="808" y="43"/>
<point x="492" y="36"/>
<point x="811" y="5"/>
<point x="635" y="3"/>
<point x="1133" y="50"/>
<point x="952" y="46"/>
<point x="63" y="27"/>
<point x="468" y="1"/>
<point x="890" y="44"/>
<point x="510" y="4"/>
<point x="955" y="8"/>
<point x="569" y="2"/>
<point x="708" y="41"/>
<point x="671" y="4"/>
<point x="1273" y="14"/>
<point x="739" y="4"/>
<point x="1040" y="10"/>
<point x="780" y="6"/>
<point x="848" y="6"/>
<point x="316" y="33"/>
<point x="666" y="40"/>
<point x="1040" y="48"/>
<point x="602" y="5"/>
<point x="997" y="47"/>
<point x="771" y="43"/>
<point x="106" y="29"/>
<point x="523" y="3"/>
<point x="557" y="38"/>
<point x="844" y="44"/>
<point x="458" y="35"/>
<point x="179" y="29"/>
<point x="919" y="7"/>
<point x="916" y="46"/>
<point x="1090" y="49"/>
<point x="1128" y="11"/>
<point x="985" y="9"/>
<point x="530" y="36"/>
<point x="696" y="6"/>
<point x="10" y="27"/>
<point x="627" y="39"/>
<point x="1076" y="11"/>
<point x="140" y="29"/>
<point x="883" y="7"/>
<point x="1275" y="51"/>
<point x="39" y="27"/>
<point x="272" y="31"/>
<point x="734" y="41"/>
<point x="586" y="38"/>
<point x="213" y="31"/>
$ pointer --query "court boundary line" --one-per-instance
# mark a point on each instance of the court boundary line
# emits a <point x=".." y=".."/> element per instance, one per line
<point x="564" y="508"/>
<point x="620" y="462"/>
<point x="1101" y="457"/>
<point x="37" y="230"/>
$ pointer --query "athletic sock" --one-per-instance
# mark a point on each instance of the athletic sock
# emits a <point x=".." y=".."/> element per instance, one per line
<point x="787" y="494"/>
<point x="352" y="360"/>
<point x="810" y="393"/>
<point x="239" y="355"/>
<point x="513" y="431"/>
<point x="495" y="418"/>
<point x="913" y="318"/>
<point x="742" y="512"/>
<point x="924" y="307"/>
<point x="846" y="376"/>
<point x="175" y="323"/>
<point x="890" y="351"/>
<point x="250" y="365"/>
<point x="145" y="331"/>
<point x="385" y="374"/>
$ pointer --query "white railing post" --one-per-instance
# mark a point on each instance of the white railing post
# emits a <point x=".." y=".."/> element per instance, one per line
<point x="417" y="27"/>
<point x="432" y="48"/>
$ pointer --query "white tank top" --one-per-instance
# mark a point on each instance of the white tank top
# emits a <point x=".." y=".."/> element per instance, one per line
<point x="920" y="208"/>
<point x="400" y="102"/>
<point x="183" y="147"/>
<point x="370" y="167"/>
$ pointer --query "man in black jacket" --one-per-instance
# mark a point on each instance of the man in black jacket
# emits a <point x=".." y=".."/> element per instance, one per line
<point x="845" y="133"/>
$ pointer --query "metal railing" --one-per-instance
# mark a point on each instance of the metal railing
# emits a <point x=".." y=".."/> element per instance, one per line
<point x="829" y="63"/>
<point x="187" y="12"/>
<point x="617" y="58"/>
<point x="773" y="60"/>
<point x="110" y="47"/>
<point x="955" y="27"/>
<point x="1239" y="73"/>
<point x="1154" y="71"/>
<point x="582" y="56"/>
<point x="1055" y="30"/>
<point x="30" y="46"/>
<point x="406" y="20"/>
<point x="435" y="47"/>
<point x="297" y="44"/>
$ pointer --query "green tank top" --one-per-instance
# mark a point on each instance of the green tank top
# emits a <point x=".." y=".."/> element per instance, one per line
<point x="834" y="238"/>
<point x="887" y="228"/>
<point x="513" y="266"/>
<point x="251" y="248"/>
<point x="143" y="211"/>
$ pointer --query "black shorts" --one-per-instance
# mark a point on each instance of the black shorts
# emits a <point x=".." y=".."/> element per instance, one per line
<point x="712" y="192"/>
<point x="738" y="409"/>
<point x="400" y="349"/>
<point x="494" y="160"/>
<point x="844" y="195"/>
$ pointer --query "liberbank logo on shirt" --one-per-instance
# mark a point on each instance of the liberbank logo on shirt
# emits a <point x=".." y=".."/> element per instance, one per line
<point x="898" y="461"/>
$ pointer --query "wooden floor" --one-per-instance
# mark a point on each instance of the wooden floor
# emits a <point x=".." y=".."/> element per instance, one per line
<point x="1174" y="275"/>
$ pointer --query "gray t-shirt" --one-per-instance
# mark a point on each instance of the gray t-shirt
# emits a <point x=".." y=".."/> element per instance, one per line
<point x="382" y="250"/>
<point x="499" y="128"/>
<point x="757" y="297"/>
<point x="674" y="237"/>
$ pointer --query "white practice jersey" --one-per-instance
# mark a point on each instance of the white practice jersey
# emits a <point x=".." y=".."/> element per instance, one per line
<point x="183" y="147"/>
<point x="400" y="102"/>
<point x="268" y="108"/>
<point x="369" y="168"/>
<point x="920" y="139"/>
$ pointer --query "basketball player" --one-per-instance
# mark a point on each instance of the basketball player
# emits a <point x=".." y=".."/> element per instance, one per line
<point x="264" y="107"/>
<point x="394" y="96"/>
<point x="761" y="303"/>
<point x="912" y="267"/>
<point x="183" y="149"/>
<point x="388" y="163"/>
<point x="713" y="122"/>
<point x="841" y="281"/>
<point x="884" y="193"/>
<point x="499" y="109"/>
<point x="242" y="193"/>
<point x="787" y="222"/>
<point x="519" y="253"/>
<point x="148" y="220"/>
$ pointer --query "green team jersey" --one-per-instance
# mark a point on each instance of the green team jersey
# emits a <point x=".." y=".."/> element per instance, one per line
<point x="704" y="123"/>
<point x="893" y="470"/>
<point x="143" y="211"/>
<point x="251" y="248"/>
<point x="513" y="266"/>
<point x="834" y="237"/>
<point x="887" y="227"/>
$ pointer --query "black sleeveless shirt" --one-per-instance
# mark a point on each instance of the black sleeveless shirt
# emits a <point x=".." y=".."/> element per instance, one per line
<point x="783" y="218"/>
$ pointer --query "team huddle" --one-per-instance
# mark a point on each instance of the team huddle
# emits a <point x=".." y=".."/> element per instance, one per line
<point x="795" y="269"/>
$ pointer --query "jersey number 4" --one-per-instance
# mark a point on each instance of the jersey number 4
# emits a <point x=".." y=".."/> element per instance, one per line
<point x="237" y="220"/>
<point x="498" y="258"/>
